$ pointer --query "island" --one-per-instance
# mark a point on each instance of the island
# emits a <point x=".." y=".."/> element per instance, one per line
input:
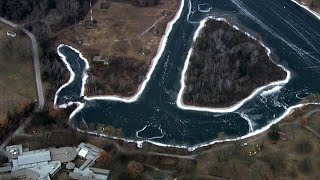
<point x="226" y="66"/>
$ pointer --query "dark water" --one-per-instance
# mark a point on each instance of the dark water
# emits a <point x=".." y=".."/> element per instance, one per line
<point x="291" y="33"/>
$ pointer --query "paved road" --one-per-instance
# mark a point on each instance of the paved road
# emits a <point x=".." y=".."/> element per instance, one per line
<point x="35" y="57"/>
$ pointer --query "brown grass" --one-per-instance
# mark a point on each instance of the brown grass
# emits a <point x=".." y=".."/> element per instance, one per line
<point x="16" y="75"/>
<point x="120" y="35"/>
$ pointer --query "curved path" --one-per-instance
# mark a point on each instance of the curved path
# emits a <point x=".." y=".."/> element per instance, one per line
<point x="35" y="58"/>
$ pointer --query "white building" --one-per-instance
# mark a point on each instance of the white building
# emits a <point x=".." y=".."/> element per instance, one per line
<point x="34" y="165"/>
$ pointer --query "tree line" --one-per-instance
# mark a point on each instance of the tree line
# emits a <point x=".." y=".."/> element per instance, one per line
<point x="45" y="16"/>
<point x="15" y="118"/>
<point x="121" y="76"/>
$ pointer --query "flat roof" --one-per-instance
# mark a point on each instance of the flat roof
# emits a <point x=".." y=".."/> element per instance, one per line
<point x="34" y="157"/>
<point x="5" y="169"/>
<point x="100" y="171"/>
<point x="63" y="154"/>
<point x="83" y="152"/>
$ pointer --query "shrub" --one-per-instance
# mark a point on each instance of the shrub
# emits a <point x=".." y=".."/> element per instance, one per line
<point x="273" y="133"/>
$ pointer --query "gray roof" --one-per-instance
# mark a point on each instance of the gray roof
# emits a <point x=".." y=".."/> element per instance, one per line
<point x="87" y="163"/>
<point x="24" y="173"/>
<point x="34" y="157"/>
<point x="63" y="154"/>
<point x="100" y="171"/>
<point x="5" y="169"/>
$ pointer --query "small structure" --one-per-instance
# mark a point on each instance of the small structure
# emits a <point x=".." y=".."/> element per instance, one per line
<point x="91" y="24"/>
<point x="104" y="5"/>
<point x="14" y="151"/>
<point x="11" y="34"/>
<point x="70" y="166"/>
<point x="101" y="59"/>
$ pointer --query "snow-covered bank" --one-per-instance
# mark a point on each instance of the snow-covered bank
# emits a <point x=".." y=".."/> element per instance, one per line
<point x="307" y="8"/>
<point x="232" y="108"/>
<point x="72" y="75"/>
<point x="192" y="148"/>
<point x="154" y="62"/>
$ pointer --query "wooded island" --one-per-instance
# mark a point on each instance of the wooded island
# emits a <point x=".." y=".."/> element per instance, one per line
<point x="226" y="66"/>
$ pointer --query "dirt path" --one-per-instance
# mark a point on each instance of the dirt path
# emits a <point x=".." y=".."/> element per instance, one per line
<point x="155" y="23"/>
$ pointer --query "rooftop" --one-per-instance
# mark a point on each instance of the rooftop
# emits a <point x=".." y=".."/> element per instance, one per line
<point x="88" y="151"/>
<point x="32" y="157"/>
<point x="63" y="154"/>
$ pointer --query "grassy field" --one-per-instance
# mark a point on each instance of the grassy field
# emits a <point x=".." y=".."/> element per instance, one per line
<point x="297" y="157"/>
<point x="16" y="75"/>
<point x="121" y="30"/>
<point x="128" y="36"/>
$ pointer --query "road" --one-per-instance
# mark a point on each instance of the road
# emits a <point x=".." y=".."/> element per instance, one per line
<point x="15" y="133"/>
<point x="35" y="58"/>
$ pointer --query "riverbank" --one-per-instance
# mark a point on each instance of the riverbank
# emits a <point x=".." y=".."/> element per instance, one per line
<point x="237" y="105"/>
<point x="128" y="43"/>
<point x="313" y="6"/>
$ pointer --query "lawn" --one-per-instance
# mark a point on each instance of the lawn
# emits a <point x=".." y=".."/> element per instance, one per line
<point x="16" y="75"/>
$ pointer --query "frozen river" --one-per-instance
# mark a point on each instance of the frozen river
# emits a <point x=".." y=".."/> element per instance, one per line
<point x="288" y="30"/>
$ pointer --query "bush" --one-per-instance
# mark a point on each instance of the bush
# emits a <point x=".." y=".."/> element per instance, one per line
<point x="304" y="146"/>
<point x="273" y="132"/>
<point x="135" y="169"/>
<point x="305" y="166"/>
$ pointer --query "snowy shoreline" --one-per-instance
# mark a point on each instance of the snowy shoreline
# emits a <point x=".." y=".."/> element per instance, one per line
<point x="236" y="106"/>
<point x="307" y="8"/>
<point x="141" y="88"/>
<point x="154" y="62"/>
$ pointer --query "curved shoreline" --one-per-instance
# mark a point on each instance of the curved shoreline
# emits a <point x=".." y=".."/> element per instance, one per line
<point x="316" y="14"/>
<point x="200" y="145"/>
<point x="72" y="75"/>
<point x="154" y="62"/>
<point x="236" y="106"/>
<point x="190" y="148"/>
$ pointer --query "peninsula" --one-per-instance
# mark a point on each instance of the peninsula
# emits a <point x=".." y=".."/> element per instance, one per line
<point x="120" y="44"/>
<point x="226" y="66"/>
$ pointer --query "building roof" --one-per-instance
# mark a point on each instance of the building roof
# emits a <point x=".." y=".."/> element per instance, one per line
<point x="5" y="169"/>
<point x="87" y="163"/>
<point x="100" y="171"/>
<point x="14" y="151"/>
<point x="70" y="165"/>
<point x="63" y="154"/>
<point x="34" y="157"/>
<point x="83" y="152"/>
<point x="88" y="151"/>
<point x="47" y="169"/>
<point x="24" y="174"/>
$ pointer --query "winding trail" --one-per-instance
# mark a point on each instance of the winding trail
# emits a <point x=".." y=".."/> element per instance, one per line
<point x="35" y="58"/>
